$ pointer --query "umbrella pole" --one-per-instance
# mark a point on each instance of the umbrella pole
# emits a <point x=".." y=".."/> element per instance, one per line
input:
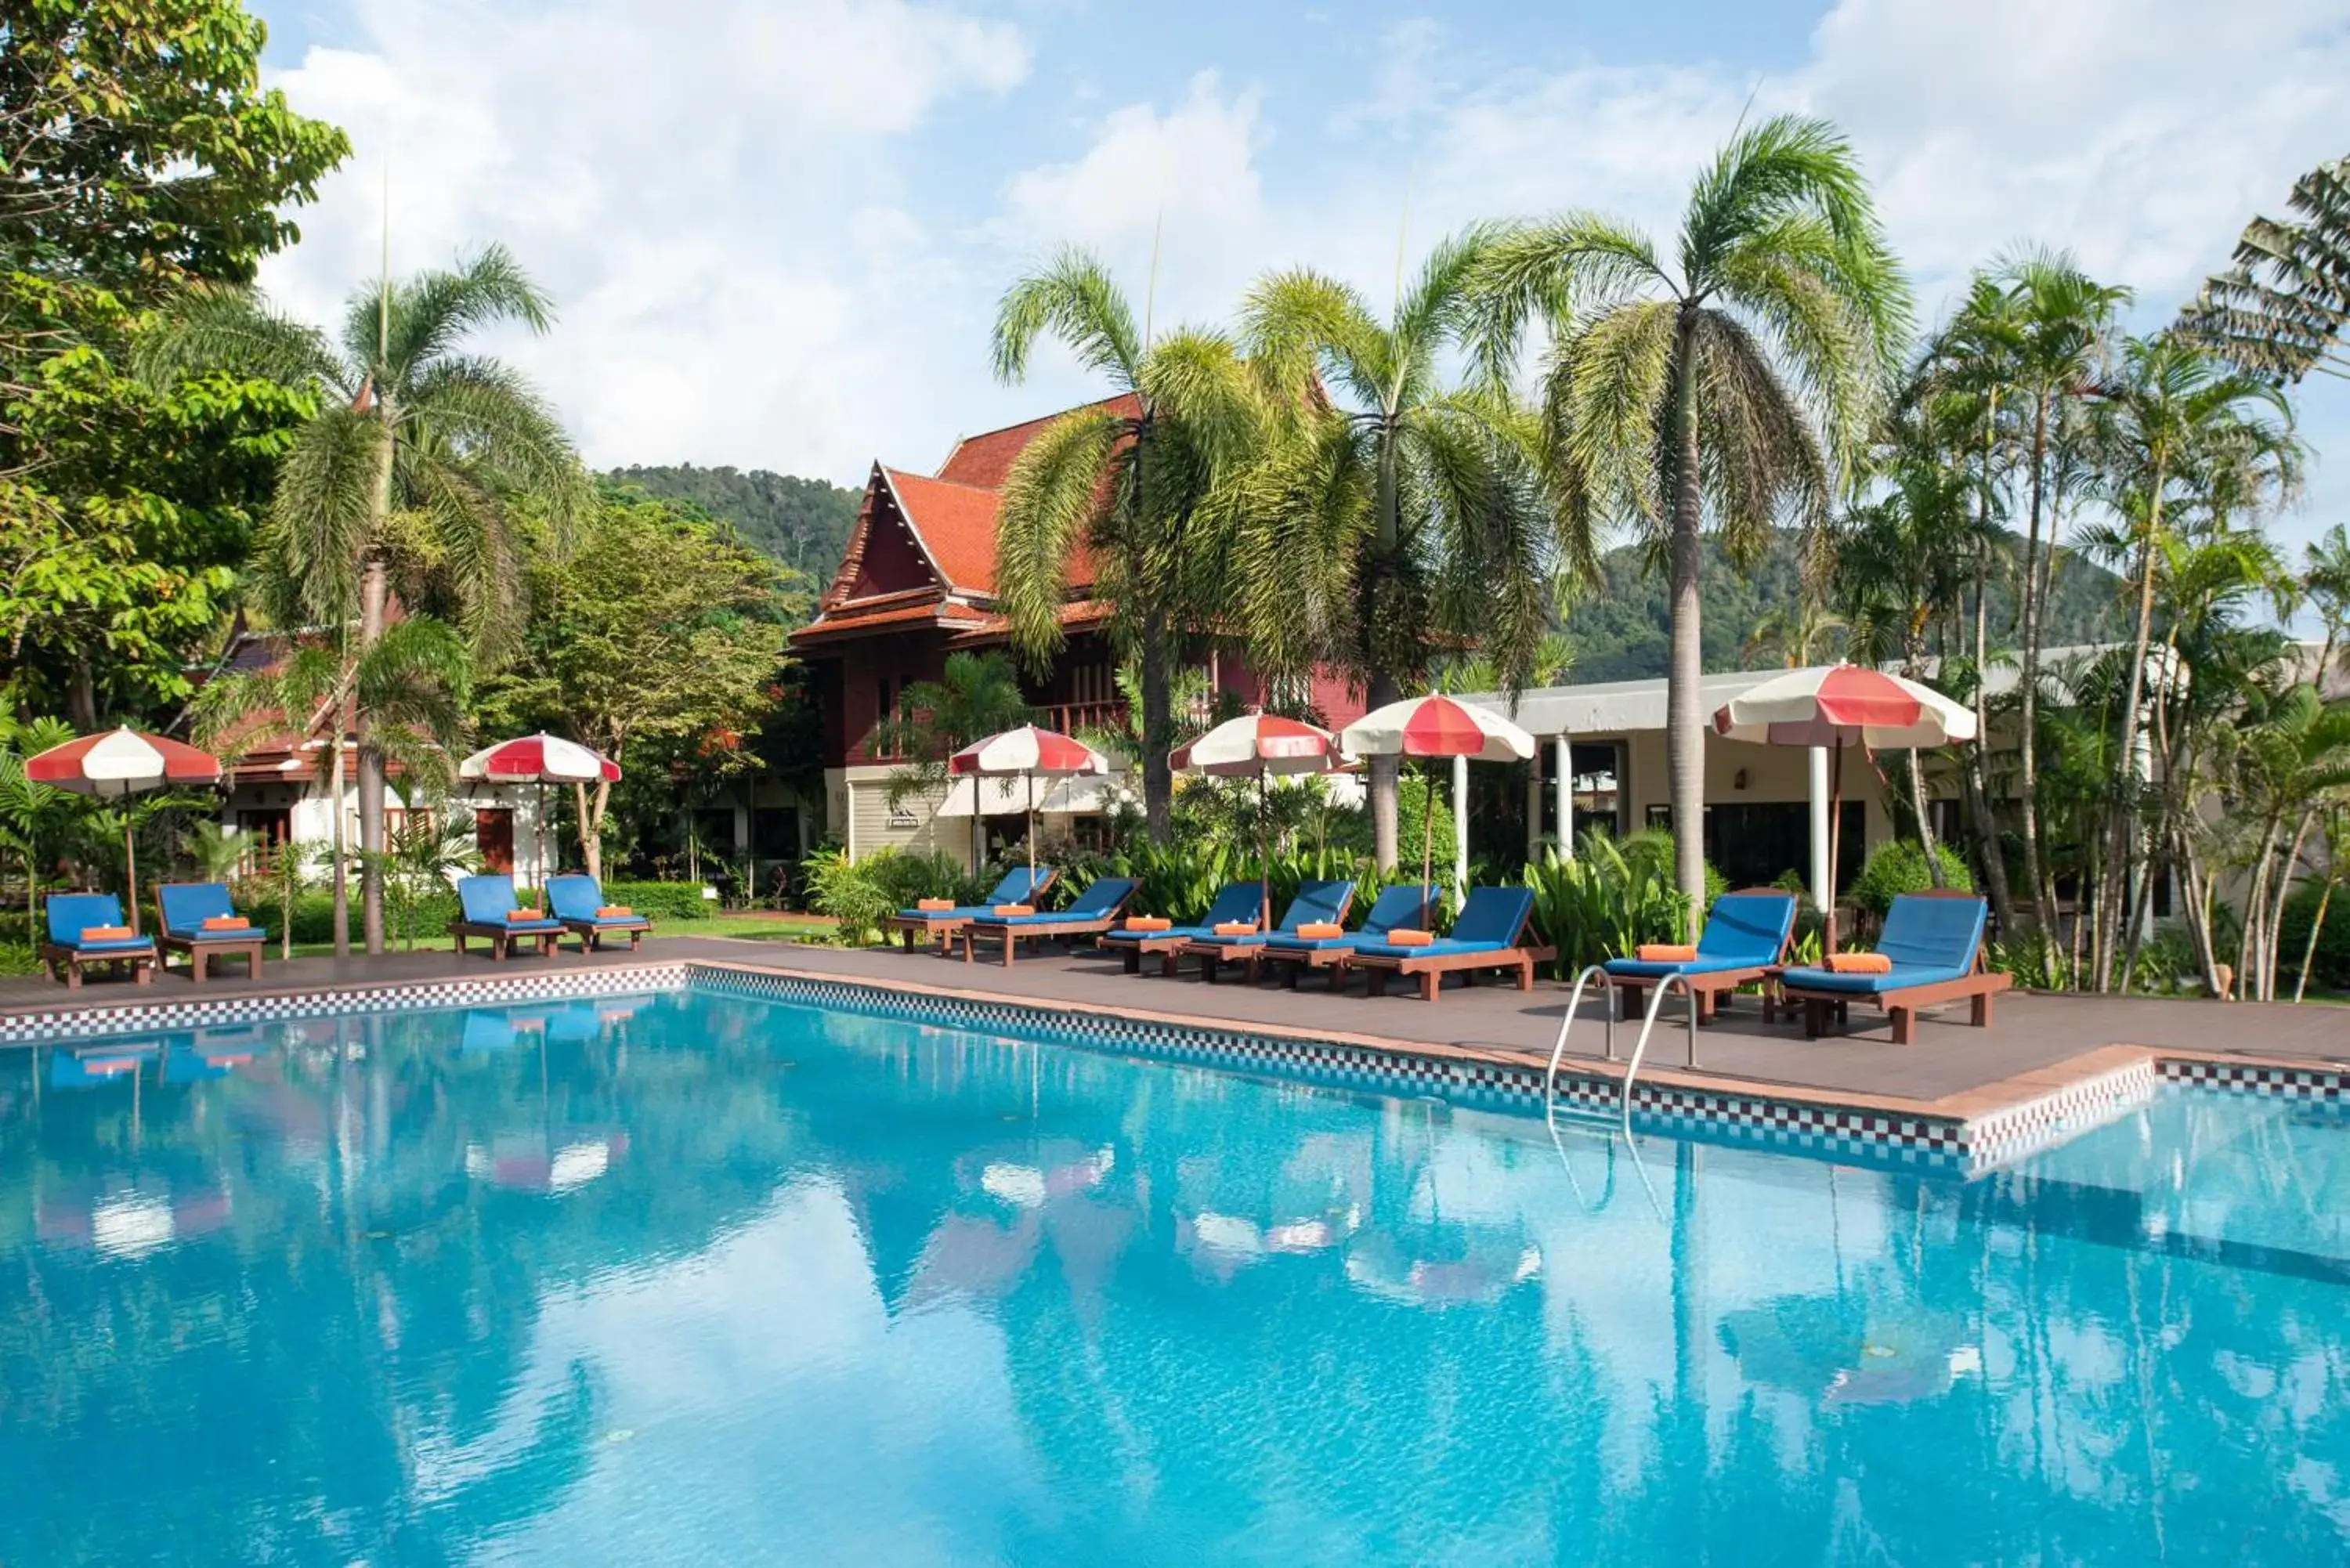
<point x="1264" y="857"/>
<point x="1031" y="834"/>
<point x="130" y="872"/>
<point x="1836" y="846"/>
<point x="1428" y="829"/>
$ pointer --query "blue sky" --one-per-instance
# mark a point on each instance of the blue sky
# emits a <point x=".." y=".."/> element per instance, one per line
<point x="776" y="229"/>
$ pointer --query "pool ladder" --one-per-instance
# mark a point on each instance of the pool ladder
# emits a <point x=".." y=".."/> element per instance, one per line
<point x="1639" y="1046"/>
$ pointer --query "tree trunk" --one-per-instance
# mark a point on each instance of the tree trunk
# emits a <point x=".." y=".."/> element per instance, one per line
<point x="375" y="589"/>
<point x="2274" y="934"/>
<point x="81" y="695"/>
<point x="1383" y="687"/>
<point x="342" y="840"/>
<point x="2309" y="948"/>
<point x="2117" y="833"/>
<point x="2043" y="895"/>
<point x="591" y="825"/>
<point x="1977" y="771"/>
<point x="1684" y="717"/>
<point x="1157" y="726"/>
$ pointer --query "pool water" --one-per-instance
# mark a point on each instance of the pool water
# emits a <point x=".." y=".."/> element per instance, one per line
<point x="696" y="1279"/>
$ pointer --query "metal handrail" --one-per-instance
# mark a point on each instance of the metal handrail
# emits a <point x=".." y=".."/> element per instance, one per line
<point x="1639" y="1047"/>
<point x="1565" y="1024"/>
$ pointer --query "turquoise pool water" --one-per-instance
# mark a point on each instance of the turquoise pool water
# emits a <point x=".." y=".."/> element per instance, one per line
<point x="693" y="1278"/>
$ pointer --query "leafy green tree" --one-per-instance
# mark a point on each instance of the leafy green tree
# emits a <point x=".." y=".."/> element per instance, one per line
<point x="405" y="475"/>
<point x="976" y="695"/>
<point x="656" y="629"/>
<point x="1742" y="378"/>
<point x="803" y="522"/>
<point x="2280" y="311"/>
<point x="1128" y="483"/>
<point x="34" y="818"/>
<point x="1407" y="511"/>
<point x="2324" y="587"/>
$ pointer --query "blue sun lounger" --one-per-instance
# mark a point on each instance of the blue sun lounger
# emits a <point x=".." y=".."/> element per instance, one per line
<point x="1317" y="903"/>
<point x="1935" y="940"/>
<point x="483" y="904"/>
<point x="1746" y="932"/>
<point x="184" y="907"/>
<point x="68" y="950"/>
<point x="1090" y="914"/>
<point x="1488" y="933"/>
<point x="574" y="900"/>
<point x="1021" y="884"/>
<point x="1234" y="902"/>
<point x="1406" y="905"/>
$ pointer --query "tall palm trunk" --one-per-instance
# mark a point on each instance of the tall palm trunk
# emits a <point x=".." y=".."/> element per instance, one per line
<point x="343" y="721"/>
<point x="1382" y="688"/>
<point x="2043" y="895"/>
<point x="1157" y="726"/>
<point x="2111" y="913"/>
<point x="1684" y="720"/>
<point x="1977" y="771"/>
<point x="374" y="597"/>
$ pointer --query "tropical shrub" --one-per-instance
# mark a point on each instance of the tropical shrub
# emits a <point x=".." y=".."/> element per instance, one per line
<point x="2329" y="970"/>
<point x="1899" y="867"/>
<point x="849" y="892"/>
<point x="907" y="878"/>
<point x="1606" y="901"/>
<point x="662" y="900"/>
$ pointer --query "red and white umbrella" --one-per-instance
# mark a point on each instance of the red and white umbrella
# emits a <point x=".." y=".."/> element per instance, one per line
<point x="1259" y="746"/>
<point x="1030" y="752"/>
<point x="1839" y="706"/>
<point x="118" y="764"/>
<point x="541" y="759"/>
<point x="1436" y="726"/>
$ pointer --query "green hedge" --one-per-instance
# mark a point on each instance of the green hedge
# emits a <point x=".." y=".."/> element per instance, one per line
<point x="662" y="900"/>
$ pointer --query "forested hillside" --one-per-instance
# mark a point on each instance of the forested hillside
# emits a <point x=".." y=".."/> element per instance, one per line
<point x="803" y="522"/>
<point x="1621" y="633"/>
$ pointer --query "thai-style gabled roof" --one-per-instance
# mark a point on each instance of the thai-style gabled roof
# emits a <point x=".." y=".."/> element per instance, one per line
<point x="923" y="549"/>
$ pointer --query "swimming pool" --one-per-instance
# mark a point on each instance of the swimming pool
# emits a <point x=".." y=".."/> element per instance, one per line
<point x="691" y="1278"/>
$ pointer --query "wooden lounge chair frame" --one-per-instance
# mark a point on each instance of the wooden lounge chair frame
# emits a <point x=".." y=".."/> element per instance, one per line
<point x="1978" y="986"/>
<point x="502" y="938"/>
<point x="1296" y="961"/>
<point x="1250" y="958"/>
<point x="65" y="962"/>
<point x="942" y="928"/>
<point x="591" y="933"/>
<point x="1167" y="945"/>
<point x="201" y="950"/>
<point x="1514" y="956"/>
<point x="1712" y="988"/>
<point x="1071" y="927"/>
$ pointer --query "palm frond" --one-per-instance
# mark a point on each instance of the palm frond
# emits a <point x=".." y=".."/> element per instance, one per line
<point x="1072" y="298"/>
<point x="1555" y="271"/>
<point x="321" y="517"/>
<point x="1052" y="500"/>
<point x="217" y="327"/>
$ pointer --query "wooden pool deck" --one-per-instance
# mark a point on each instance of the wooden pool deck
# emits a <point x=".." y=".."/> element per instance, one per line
<point x="2039" y="1043"/>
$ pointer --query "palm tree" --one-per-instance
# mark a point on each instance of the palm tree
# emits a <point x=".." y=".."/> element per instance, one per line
<point x="34" y="817"/>
<point x="1128" y="481"/>
<point x="2280" y="311"/>
<point x="1425" y="504"/>
<point x="1808" y="634"/>
<point x="413" y="679"/>
<point x="403" y="479"/>
<point x="976" y="695"/>
<point x="2325" y="587"/>
<point x="2173" y="419"/>
<point x="2054" y="344"/>
<point x="1743" y="377"/>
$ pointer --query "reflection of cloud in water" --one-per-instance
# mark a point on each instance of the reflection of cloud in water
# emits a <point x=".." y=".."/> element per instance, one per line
<point x="973" y="1256"/>
<point x="528" y="1163"/>
<point x="1488" y="1267"/>
<point x="1028" y="1186"/>
<point x="130" y="1222"/>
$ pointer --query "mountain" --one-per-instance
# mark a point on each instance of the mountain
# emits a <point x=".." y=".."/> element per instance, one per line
<point x="803" y="522"/>
<point x="1623" y="631"/>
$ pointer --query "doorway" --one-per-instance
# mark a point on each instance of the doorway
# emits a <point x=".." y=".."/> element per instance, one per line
<point x="493" y="838"/>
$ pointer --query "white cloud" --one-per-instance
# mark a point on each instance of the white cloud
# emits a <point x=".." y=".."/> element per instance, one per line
<point x="708" y="191"/>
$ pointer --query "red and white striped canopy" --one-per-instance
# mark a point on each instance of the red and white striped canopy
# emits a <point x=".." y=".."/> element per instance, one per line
<point x="122" y="761"/>
<point x="1258" y="743"/>
<point x="539" y="758"/>
<point x="1436" y="726"/>
<point x="1843" y="705"/>
<point x="1031" y="750"/>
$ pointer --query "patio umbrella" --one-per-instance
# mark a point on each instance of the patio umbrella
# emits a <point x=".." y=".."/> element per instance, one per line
<point x="1029" y="752"/>
<point x="541" y="759"/>
<point x="1258" y="746"/>
<point x="1435" y="726"/>
<point x="1836" y="706"/>
<point x="116" y="765"/>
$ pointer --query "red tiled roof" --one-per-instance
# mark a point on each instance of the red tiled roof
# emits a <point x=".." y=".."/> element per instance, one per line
<point x="1078" y="613"/>
<point x="985" y="460"/>
<point x="832" y="621"/>
<point x="956" y="523"/>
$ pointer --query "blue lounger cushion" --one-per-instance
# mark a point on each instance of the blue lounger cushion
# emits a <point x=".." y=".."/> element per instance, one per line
<point x="1744" y="930"/>
<point x="1491" y="921"/>
<point x="186" y="906"/>
<point x="70" y="914"/>
<point x="1405" y="904"/>
<point x="1021" y="884"/>
<point x="1233" y="902"/>
<point x="574" y="898"/>
<point x="487" y="900"/>
<point x="1317" y="903"/>
<point x="1930" y="940"/>
<point x="1100" y="901"/>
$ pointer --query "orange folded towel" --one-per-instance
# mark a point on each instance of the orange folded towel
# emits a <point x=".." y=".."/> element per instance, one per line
<point x="1859" y="963"/>
<point x="1320" y="930"/>
<point x="227" y="923"/>
<point x="1149" y="923"/>
<point x="516" y="917"/>
<point x="614" y="912"/>
<point x="104" y="933"/>
<point x="1236" y="928"/>
<point x="1015" y="908"/>
<point x="1410" y="937"/>
<point x="934" y="906"/>
<point x="1666" y="952"/>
